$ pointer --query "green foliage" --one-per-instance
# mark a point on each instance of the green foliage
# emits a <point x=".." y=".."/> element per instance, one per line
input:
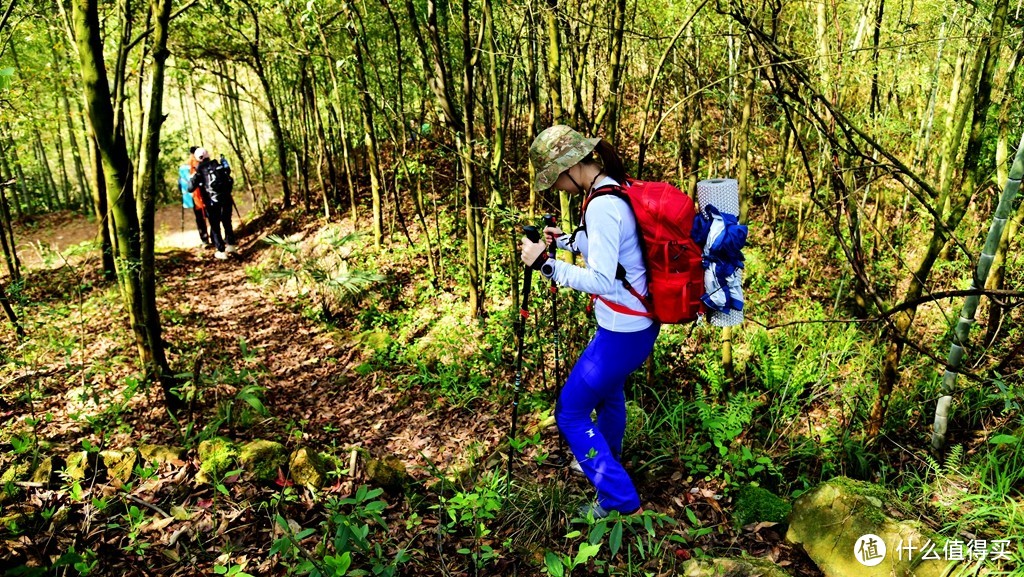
<point x="469" y="514"/>
<point x="324" y="274"/>
<point x="619" y="545"/>
<point x="983" y="497"/>
<point x="353" y="540"/>
<point x="232" y="571"/>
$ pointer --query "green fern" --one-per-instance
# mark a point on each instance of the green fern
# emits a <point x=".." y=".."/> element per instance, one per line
<point x="324" y="274"/>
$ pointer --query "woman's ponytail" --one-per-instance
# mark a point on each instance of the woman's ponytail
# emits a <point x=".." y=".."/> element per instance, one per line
<point x="611" y="161"/>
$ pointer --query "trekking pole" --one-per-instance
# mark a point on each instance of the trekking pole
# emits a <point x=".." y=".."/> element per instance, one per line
<point x="534" y="235"/>
<point x="559" y="458"/>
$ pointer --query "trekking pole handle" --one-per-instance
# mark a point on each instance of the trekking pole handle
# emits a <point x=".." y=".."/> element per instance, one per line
<point x="531" y="233"/>
<point x="549" y="220"/>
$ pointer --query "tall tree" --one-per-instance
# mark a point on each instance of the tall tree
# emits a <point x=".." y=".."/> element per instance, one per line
<point x="369" y="131"/>
<point x="476" y="252"/>
<point x="117" y="172"/>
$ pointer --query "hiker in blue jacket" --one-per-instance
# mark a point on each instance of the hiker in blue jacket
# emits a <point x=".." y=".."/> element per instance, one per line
<point x="607" y="238"/>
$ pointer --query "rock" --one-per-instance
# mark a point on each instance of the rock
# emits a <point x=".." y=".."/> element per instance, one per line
<point x="119" y="464"/>
<point x="830" y="520"/>
<point x="746" y="567"/>
<point x="754" y="505"/>
<point x="77" y="465"/>
<point x="162" y="454"/>
<point x="307" y="468"/>
<point x="15" y="473"/>
<point x="388" y="473"/>
<point x="263" y="459"/>
<point x="216" y="457"/>
<point x="43" y="472"/>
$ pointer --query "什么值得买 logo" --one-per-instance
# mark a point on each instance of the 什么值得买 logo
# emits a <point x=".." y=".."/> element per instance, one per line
<point x="869" y="550"/>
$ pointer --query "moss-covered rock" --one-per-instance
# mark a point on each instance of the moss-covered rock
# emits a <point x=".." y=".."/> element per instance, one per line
<point x="755" y="504"/>
<point x="746" y="567"/>
<point x="829" y="520"/>
<point x="119" y="464"/>
<point x="263" y="459"/>
<point x="216" y="457"/>
<point x="14" y="474"/>
<point x="375" y="340"/>
<point x="307" y="468"/>
<point x="77" y="466"/>
<point x="388" y="473"/>
<point x="43" y="471"/>
<point x="157" y="455"/>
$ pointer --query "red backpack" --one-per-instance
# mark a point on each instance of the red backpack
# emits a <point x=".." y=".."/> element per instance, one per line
<point x="675" y="277"/>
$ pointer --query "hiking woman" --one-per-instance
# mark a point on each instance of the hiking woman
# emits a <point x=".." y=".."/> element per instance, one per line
<point x="609" y="242"/>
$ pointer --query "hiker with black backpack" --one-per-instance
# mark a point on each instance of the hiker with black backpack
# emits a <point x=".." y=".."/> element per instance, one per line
<point x="191" y="197"/>
<point x="615" y="274"/>
<point x="215" y="184"/>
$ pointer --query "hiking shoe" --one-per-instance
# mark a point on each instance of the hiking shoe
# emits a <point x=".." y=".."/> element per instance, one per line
<point x="230" y="248"/>
<point x="220" y="255"/>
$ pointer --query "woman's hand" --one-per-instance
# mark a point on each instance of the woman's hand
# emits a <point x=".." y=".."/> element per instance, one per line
<point x="552" y="232"/>
<point x="534" y="253"/>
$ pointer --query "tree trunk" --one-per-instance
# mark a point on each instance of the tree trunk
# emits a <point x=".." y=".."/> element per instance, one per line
<point x="961" y="332"/>
<point x="7" y="237"/>
<point x="743" y="142"/>
<point x="53" y="199"/>
<point x="117" y="170"/>
<point x="439" y="79"/>
<point x="474" y="206"/>
<point x="256" y="52"/>
<point x="928" y="119"/>
<point x="997" y="278"/>
<point x="148" y="185"/>
<point x="369" y="133"/>
<point x="554" y="63"/>
<point x="976" y="90"/>
<point x="874" y="104"/>
<point x="24" y="199"/>
<point x="9" y="310"/>
<point x="609" y="114"/>
<point x="533" y="94"/>
<point x="98" y="188"/>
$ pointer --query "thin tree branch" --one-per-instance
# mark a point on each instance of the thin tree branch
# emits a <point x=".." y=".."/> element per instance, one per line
<point x="149" y="30"/>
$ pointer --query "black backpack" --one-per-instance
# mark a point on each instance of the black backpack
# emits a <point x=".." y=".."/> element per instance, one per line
<point x="219" y="182"/>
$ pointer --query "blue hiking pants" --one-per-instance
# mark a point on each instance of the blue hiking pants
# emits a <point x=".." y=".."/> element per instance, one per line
<point x="596" y="383"/>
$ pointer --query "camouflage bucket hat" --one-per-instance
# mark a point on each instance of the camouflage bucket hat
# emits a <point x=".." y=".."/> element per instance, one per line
<point x="556" y="150"/>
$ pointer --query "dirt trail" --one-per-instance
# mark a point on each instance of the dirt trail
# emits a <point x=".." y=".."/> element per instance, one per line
<point x="39" y="239"/>
<point x="307" y="370"/>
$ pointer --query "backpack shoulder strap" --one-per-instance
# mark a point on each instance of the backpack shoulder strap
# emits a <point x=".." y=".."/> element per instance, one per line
<point x="615" y="190"/>
<point x="618" y="191"/>
<point x="612" y="189"/>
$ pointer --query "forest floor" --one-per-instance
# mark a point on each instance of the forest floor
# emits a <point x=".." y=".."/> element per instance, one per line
<point x="74" y="384"/>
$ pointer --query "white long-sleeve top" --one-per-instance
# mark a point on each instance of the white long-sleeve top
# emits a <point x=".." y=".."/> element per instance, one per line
<point x="610" y="239"/>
